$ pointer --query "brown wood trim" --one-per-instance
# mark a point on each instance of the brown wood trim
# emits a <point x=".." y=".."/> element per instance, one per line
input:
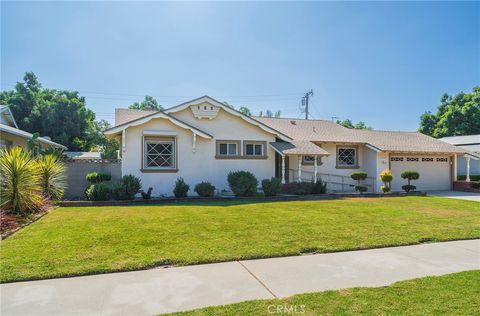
<point x="255" y="142"/>
<point x="161" y="138"/>
<point x="230" y="141"/>
<point x="158" y="170"/>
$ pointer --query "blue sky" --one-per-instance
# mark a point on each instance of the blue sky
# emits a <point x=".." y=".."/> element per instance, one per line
<point x="382" y="63"/>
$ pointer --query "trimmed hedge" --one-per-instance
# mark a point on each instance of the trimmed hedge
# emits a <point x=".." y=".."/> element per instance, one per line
<point x="97" y="177"/>
<point x="181" y="188"/>
<point x="271" y="187"/>
<point x="126" y="188"/>
<point x="473" y="177"/>
<point x="98" y="192"/>
<point x="205" y="189"/>
<point x="242" y="183"/>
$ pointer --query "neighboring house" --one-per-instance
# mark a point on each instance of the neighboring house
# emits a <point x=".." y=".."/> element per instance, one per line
<point x="11" y="135"/>
<point x="203" y="140"/>
<point x="466" y="164"/>
<point x="83" y="155"/>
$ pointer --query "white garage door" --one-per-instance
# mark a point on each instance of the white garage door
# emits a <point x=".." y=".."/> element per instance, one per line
<point x="434" y="172"/>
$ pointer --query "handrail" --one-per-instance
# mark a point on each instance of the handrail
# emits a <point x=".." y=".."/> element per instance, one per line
<point x="345" y="181"/>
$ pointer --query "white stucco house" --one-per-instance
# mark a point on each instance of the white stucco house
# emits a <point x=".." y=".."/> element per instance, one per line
<point x="467" y="164"/>
<point x="203" y="140"/>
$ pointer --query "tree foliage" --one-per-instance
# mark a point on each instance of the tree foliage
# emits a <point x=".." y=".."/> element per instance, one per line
<point x="108" y="147"/>
<point x="269" y="113"/>
<point x="349" y="124"/>
<point x="148" y="103"/>
<point x="245" y="111"/>
<point x="59" y="114"/>
<point x="456" y="115"/>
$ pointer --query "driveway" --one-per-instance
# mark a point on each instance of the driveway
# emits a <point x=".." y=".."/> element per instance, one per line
<point x="469" y="196"/>
<point x="156" y="291"/>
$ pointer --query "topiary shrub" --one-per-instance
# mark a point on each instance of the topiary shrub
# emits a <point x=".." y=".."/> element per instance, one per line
<point x="271" y="187"/>
<point x="126" y="188"/>
<point x="147" y="195"/>
<point x="205" y="189"/>
<point x="359" y="177"/>
<point x="410" y="175"/>
<point x="385" y="189"/>
<point x="242" y="183"/>
<point x="297" y="188"/>
<point x="98" y="192"/>
<point x="319" y="187"/>
<point x="97" y="177"/>
<point x="386" y="176"/>
<point x="181" y="188"/>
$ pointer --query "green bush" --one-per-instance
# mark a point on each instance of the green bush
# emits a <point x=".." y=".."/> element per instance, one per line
<point x="97" y="177"/>
<point x="385" y="188"/>
<point x="473" y="177"/>
<point x="242" y="183"/>
<point x="147" y="195"/>
<point x="319" y="187"/>
<point x="205" y="189"/>
<point x="126" y="188"/>
<point x="181" y="188"/>
<point x="98" y="192"/>
<point x="361" y="188"/>
<point x="359" y="176"/>
<point x="409" y="187"/>
<point x="297" y="188"/>
<point x="271" y="187"/>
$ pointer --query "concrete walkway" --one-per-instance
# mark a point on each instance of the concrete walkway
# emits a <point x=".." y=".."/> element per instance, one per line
<point x="163" y="290"/>
<point x="469" y="196"/>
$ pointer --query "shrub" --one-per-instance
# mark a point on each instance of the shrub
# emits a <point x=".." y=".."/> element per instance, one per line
<point x="242" y="183"/>
<point x="361" y="188"/>
<point x="409" y="187"/>
<point x="297" y="188"/>
<point x="205" y="189"/>
<point x="181" y="188"/>
<point x="319" y="187"/>
<point x="126" y="188"/>
<point x="410" y="175"/>
<point x="20" y="182"/>
<point x="98" y="192"/>
<point x="147" y="195"/>
<point x="52" y="173"/>
<point x="473" y="177"/>
<point x="385" y="188"/>
<point x="97" y="177"/>
<point x="271" y="187"/>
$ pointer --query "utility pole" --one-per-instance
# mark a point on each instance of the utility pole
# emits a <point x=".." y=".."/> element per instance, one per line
<point x="305" y="101"/>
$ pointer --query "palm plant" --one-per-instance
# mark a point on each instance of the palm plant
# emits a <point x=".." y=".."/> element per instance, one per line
<point x="20" y="189"/>
<point x="52" y="172"/>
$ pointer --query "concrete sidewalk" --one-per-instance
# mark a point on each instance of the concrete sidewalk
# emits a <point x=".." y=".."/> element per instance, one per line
<point x="459" y="195"/>
<point x="163" y="290"/>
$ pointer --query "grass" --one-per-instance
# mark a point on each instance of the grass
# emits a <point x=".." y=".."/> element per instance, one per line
<point x="88" y="240"/>
<point x="452" y="294"/>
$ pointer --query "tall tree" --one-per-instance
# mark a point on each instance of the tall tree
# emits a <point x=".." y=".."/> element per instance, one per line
<point x="62" y="115"/>
<point x="108" y="147"/>
<point x="148" y="103"/>
<point x="269" y="113"/>
<point x="349" y="124"/>
<point x="457" y="115"/>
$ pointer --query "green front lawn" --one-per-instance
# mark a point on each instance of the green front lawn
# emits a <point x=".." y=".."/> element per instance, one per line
<point x="87" y="240"/>
<point x="452" y="294"/>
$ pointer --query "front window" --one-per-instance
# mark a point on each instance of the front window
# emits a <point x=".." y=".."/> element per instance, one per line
<point x="159" y="154"/>
<point x="228" y="149"/>
<point x="254" y="149"/>
<point x="310" y="160"/>
<point x="346" y="157"/>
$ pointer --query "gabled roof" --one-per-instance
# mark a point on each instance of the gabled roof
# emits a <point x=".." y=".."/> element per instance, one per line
<point x="160" y="114"/>
<point x="301" y="147"/>
<point x="15" y="131"/>
<point x="328" y="131"/>
<point x="7" y="113"/>
<point x="251" y="120"/>
<point x="126" y="115"/>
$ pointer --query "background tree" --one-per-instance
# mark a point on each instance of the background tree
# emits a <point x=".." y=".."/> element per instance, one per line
<point x="349" y="124"/>
<point x="61" y="115"/>
<point x="107" y="147"/>
<point x="148" y="103"/>
<point x="457" y="115"/>
<point x="269" y="113"/>
<point x="245" y="111"/>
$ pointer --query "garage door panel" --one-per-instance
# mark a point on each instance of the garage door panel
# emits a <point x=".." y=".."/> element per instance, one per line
<point x="435" y="172"/>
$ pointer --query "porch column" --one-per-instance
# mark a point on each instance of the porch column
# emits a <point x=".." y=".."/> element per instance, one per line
<point x="299" y="168"/>
<point x="315" y="169"/>
<point x="283" y="168"/>
<point x="468" y="168"/>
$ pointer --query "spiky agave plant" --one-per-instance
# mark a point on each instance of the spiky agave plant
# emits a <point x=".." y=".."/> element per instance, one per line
<point x="52" y="172"/>
<point x="20" y="185"/>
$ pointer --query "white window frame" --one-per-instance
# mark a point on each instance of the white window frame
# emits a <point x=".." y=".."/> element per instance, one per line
<point x="145" y="154"/>
<point x="262" y="152"/>
<point x="228" y="148"/>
